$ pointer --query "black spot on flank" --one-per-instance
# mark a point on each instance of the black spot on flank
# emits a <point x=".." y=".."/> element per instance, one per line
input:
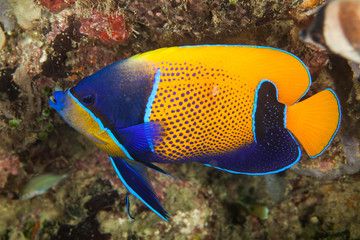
<point x="269" y="111"/>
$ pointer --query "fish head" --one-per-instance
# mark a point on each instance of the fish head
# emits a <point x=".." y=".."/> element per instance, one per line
<point x="113" y="98"/>
<point x="92" y="96"/>
<point x="75" y="112"/>
<point x="117" y="94"/>
<point x="81" y="107"/>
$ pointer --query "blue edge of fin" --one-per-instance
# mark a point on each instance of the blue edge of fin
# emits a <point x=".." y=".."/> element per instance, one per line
<point x="128" y="207"/>
<point x="337" y="128"/>
<point x="138" y="185"/>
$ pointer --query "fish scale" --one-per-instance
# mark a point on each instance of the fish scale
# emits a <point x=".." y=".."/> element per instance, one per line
<point x="207" y="112"/>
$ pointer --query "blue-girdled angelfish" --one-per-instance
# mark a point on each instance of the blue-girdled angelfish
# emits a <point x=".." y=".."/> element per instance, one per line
<point x="234" y="108"/>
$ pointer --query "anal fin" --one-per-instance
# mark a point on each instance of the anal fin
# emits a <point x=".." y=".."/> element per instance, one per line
<point x="274" y="152"/>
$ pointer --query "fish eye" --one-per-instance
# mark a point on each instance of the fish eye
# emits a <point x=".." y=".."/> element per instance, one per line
<point x="88" y="100"/>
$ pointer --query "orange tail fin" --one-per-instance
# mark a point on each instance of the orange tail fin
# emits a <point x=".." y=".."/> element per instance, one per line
<point x="315" y="121"/>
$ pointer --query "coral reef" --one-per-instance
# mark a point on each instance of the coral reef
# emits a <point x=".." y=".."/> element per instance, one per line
<point x="47" y="45"/>
<point x="6" y="16"/>
<point x="109" y="28"/>
<point x="57" y="5"/>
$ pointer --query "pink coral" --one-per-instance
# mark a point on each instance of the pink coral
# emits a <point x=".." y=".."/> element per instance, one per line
<point x="9" y="165"/>
<point x="109" y="28"/>
<point x="59" y="23"/>
<point x="55" y="6"/>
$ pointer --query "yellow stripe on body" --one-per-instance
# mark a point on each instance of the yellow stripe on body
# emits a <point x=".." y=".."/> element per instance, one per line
<point x="205" y="97"/>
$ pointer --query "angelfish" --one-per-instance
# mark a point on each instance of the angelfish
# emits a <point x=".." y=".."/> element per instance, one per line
<point x="234" y="108"/>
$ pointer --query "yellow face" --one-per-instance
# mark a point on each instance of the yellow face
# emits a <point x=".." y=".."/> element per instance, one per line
<point x="85" y="122"/>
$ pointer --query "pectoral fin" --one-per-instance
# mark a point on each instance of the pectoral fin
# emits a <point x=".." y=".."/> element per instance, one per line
<point x="135" y="177"/>
<point x="100" y="137"/>
<point x="140" y="139"/>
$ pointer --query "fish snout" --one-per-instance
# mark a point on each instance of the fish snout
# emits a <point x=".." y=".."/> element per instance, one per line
<point x="57" y="101"/>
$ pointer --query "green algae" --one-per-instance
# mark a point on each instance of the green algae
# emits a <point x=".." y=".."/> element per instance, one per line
<point x="14" y="123"/>
<point x="43" y="136"/>
<point x="45" y="113"/>
<point x="49" y="127"/>
<point x="45" y="90"/>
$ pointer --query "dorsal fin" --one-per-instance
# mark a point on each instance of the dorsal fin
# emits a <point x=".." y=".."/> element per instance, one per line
<point x="251" y="63"/>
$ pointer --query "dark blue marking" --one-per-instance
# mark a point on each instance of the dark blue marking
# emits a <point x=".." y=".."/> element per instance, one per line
<point x="275" y="149"/>
<point x="119" y="99"/>
<point x="263" y="158"/>
<point x="256" y="103"/>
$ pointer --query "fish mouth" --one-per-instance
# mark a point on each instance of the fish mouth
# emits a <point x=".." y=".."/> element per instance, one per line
<point x="57" y="100"/>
